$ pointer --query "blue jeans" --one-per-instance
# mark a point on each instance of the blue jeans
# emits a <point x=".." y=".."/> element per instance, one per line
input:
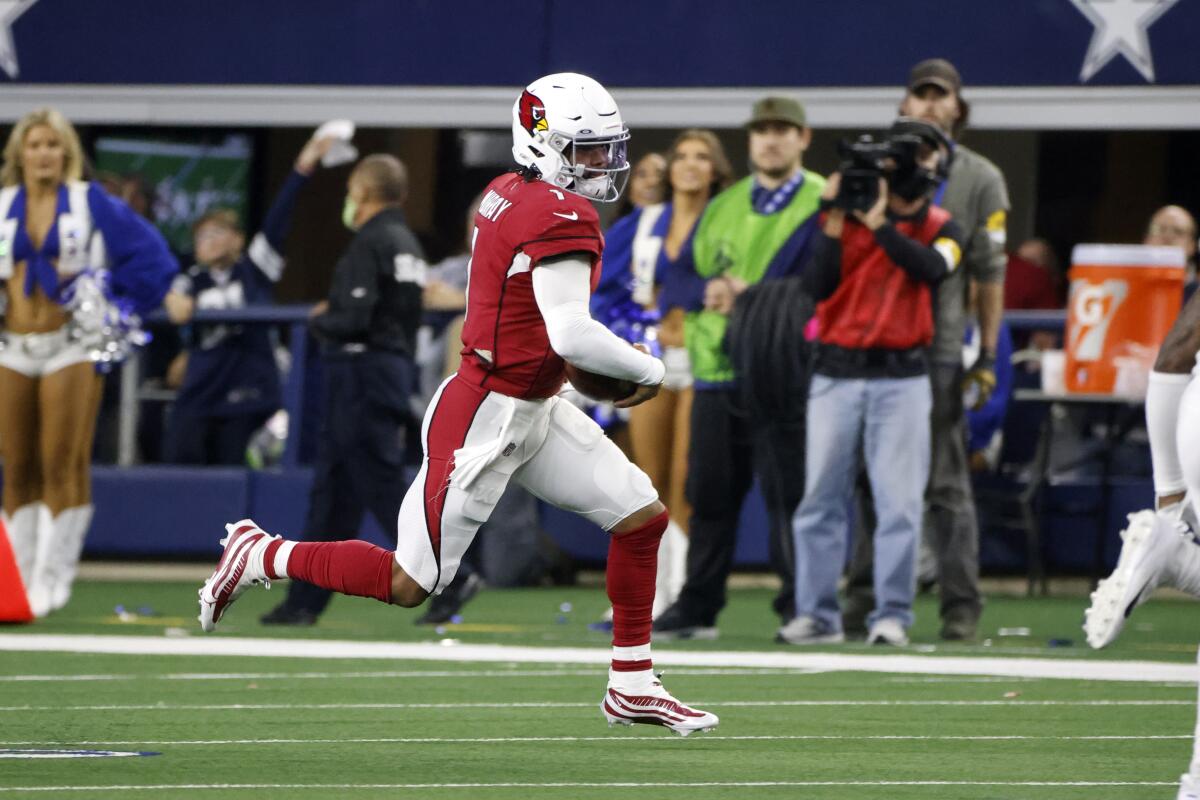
<point x="887" y="419"/>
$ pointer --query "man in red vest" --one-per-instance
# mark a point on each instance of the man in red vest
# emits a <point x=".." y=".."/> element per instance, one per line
<point x="872" y="274"/>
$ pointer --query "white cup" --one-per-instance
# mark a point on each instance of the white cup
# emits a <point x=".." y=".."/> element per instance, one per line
<point x="1133" y="378"/>
<point x="1054" y="364"/>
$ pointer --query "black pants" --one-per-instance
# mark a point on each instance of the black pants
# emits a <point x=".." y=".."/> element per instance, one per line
<point x="360" y="454"/>
<point x="727" y="450"/>
<point x="198" y="439"/>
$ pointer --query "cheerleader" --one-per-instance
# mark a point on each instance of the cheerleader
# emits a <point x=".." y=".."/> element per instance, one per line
<point x="641" y="251"/>
<point x="75" y="265"/>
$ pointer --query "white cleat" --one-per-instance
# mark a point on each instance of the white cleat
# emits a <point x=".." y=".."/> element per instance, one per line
<point x="241" y="566"/>
<point x="1189" y="787"/>
<point x="888" y="631"/>
<point x="1149" y="550"/>
<point x="655" y="706"/>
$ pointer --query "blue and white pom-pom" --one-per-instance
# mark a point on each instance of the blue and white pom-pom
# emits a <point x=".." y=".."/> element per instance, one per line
<point x="636" y="325"/>
<point x="100" y="321"/>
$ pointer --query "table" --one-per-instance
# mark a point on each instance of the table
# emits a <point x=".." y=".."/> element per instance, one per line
<point x="1115" y="430"/>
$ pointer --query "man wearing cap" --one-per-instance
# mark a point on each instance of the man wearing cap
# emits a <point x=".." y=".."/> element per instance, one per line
<point x="977" y="199"/>
<point x="760" y="229"/>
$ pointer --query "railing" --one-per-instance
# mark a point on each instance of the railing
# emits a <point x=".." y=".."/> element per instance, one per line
<point x="1036" y="320"/>
<point x="295" y="319"/>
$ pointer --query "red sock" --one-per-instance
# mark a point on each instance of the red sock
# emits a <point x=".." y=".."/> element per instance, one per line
<point x="351" y="567"/>
<point x="632" y="565"/>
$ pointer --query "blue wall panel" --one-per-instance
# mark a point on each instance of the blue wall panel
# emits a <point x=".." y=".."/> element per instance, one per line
<point x="622" y="42"/>
<point x="164" y="511"/>
<point x="180" y="512"/>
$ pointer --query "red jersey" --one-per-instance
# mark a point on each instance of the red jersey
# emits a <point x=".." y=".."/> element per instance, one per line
<point x="877" y="304"/>
<point x="505" y="345"/>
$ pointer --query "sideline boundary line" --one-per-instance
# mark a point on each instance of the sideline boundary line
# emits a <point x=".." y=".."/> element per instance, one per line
<point x="203" y="646"/>
<point x="556" y="705"/>
<point x="574" y="739"/>
<point x="389" y="674"/>
<point x="612" y="785"/>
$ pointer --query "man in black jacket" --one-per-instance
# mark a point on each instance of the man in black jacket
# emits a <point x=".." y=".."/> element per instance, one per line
<point x="367" y="329"/>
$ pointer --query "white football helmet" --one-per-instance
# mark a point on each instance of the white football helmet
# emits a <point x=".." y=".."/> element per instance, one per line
<point x="568" y="128"/>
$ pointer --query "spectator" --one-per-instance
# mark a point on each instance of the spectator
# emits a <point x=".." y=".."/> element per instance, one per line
<point x="757" y="230"/>
<point x="985" y="424"/>
<point x="444" y="299"/>
<point x="647" y="184"/>
<point x="49" y="386"/>
<point x="368" y="329"/>
<point x="977" y="199"/>
<point x="1173" y="226"/>
<point x="1033" y="278"/>
<point x="230" y="382"/>
<point x="872" y="274"/>
<point x="641" y="249"/>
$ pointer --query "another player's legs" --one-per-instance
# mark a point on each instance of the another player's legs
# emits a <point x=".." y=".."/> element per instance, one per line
<point x="1152" y="550"/>
<point x="1172" y="372"/>
<point x="1159" y="547"/>
<point x="1189" y="782"/>
<point x="578" y="469"/>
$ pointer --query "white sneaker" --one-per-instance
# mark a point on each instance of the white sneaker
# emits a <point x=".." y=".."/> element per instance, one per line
<point x="1150" y="548"/>
<point x="654" y="706"/>
<point x="888" y="631"/>
<point x="806" y="630"/>
<point x="241" y="566"/>
<point x="1189" y="787"/>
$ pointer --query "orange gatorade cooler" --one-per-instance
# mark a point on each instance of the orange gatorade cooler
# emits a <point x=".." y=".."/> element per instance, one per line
<point x="1123" y="300"/>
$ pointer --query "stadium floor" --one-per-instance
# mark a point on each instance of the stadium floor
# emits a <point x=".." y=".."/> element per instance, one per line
<point x="504" y="705"/>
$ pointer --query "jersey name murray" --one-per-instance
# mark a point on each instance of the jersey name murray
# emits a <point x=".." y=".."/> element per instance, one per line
<point x="519" y="224"/>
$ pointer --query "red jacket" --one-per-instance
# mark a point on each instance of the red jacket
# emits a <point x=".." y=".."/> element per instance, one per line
<point x="877" y="304"/>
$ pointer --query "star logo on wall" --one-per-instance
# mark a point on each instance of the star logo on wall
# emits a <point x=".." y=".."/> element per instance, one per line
<point x="1121" y="27"/>
<point x="10" y="10"/>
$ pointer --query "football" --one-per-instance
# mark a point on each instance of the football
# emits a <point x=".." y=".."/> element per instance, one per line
<point x="599" y="387"/>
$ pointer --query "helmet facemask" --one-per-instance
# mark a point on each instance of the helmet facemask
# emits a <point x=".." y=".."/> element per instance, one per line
<point x="593" y="167"/>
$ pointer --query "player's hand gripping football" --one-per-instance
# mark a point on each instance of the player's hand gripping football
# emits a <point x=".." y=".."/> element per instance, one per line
<point x="644" y="391"/>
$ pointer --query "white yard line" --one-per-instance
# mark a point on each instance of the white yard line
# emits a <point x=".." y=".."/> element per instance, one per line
<point x="554" y="705"/>
<point x="640" y="740"/>
<point x="611" y="785"/>
<point x="359" y="675"/>
<point x="1075" y="669"/>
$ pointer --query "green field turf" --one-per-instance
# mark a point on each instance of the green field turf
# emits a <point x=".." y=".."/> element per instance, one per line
<point x="273" y="727"/>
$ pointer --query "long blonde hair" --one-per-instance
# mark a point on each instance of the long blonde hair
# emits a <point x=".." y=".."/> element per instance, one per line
<point x="13" y="174"/>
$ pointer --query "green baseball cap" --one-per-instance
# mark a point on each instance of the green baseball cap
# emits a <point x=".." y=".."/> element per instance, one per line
<point x="777" y="109"/>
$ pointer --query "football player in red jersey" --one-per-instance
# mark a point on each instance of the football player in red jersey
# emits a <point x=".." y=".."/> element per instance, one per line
<point x="535" y="258"/>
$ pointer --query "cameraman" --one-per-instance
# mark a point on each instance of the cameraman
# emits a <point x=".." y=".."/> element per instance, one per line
<point x="880" y="250"/>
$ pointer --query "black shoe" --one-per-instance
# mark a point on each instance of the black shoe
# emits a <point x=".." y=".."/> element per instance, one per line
<point x="854" y="615"/>
<point x="959" y="625"/>
<point x="445" y="606"/>
<point x="283" y="614"/>
<point x="784" y="606"/>
<point x="674" y="623"/>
